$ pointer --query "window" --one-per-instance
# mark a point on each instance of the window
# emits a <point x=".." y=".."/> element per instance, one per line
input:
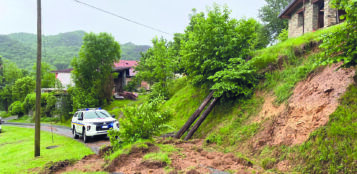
<point x="96" y="114"/>
<point x="300" y="19"/>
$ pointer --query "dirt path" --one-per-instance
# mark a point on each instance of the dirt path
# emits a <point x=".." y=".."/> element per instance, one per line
<point x="94" y="144"/>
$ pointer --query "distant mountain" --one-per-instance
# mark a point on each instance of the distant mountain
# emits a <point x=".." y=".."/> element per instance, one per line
<point x="131" y="51"/>
<point x="57" y="50"/>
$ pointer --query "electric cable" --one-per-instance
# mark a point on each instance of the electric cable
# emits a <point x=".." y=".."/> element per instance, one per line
<point x="124" y="18"/>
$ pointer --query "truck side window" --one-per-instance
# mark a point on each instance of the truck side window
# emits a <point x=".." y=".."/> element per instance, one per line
<point x="75" y="115"/>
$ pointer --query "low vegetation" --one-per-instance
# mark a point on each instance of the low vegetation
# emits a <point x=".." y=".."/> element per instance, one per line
<point x="17" y="149"/>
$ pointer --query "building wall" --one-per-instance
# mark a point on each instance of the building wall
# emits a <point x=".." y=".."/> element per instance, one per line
<point x="310" y="19"/>
<point x="65" y="79"/>
<point x="330" y="15"/>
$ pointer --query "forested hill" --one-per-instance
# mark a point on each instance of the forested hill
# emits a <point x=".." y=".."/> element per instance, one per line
<point x="57" y="50"/>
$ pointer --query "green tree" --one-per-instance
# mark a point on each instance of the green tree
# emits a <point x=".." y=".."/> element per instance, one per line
<point x="22" y="87"/>
<point x="10" y="73"/>
<point x="213" y="40"/>
<point x="269" y="15"/>
<point x="156" y="64"/>
<point x="92" y="69"/>
<point x="48" y="79"/>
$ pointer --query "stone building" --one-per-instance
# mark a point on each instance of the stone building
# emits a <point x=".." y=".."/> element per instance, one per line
<point x="309" y="15"/>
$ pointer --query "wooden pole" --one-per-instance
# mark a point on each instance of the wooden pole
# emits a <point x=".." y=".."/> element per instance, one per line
<point x="201" y="119"/>
<point x="38" y="82"/>
<point x="194" y="116"/>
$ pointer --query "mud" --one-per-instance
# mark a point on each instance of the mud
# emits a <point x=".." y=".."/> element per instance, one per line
<point x="105" y="150"/>
<point x="309" y="107"/>
<point x="269" y="109"/>
<point x="90" y="163"/>
<point x="193" y="156"/>
<point x="53" y="167"/>
<point x="190" y="158"/>
<point x="132" y="162"/>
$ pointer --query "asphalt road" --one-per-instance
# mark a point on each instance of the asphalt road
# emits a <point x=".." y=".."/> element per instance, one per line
<point x="94" y="143"/>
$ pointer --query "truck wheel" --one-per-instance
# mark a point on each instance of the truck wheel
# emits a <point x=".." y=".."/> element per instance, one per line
<point x="85" y="137"/>
<point x="75" y="136"/>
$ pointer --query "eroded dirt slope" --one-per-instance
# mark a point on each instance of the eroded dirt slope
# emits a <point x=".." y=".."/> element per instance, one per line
<point x="191" y="158"/>
<point x="313" y="100"/>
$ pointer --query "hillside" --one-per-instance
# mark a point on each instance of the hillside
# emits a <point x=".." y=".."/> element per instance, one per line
<point x="58" y="50"/>
<point x="300" y="119"/>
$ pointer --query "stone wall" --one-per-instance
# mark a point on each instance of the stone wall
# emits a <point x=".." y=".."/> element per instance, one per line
<point x="310" y="18"/>
<point x="330" y="15"/>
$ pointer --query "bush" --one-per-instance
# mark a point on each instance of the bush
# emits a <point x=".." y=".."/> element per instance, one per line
<point x="16" y="108"/>
<point x="283" y="36"/>
<point x="141" y="122"/>
<point x="159" y="90"/>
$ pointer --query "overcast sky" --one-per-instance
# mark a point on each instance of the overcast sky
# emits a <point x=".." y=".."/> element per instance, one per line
<point x="67" y="15"/>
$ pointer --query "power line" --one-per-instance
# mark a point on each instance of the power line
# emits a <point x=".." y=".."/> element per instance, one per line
<point x="129" y="20"/>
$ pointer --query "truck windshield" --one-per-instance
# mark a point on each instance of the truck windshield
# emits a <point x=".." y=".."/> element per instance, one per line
<point x="96" y="114"/>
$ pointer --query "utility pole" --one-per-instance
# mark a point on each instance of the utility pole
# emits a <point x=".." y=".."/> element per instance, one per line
<point x="38" y="82"/>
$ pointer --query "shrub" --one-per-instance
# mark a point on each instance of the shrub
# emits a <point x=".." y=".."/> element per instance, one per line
<point x="141" y="122"/>
<point x="283" y="36"/>
<point x="16" y="108"/>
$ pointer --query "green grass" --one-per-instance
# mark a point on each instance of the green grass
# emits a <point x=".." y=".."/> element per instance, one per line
<point x="17" y="149"/>
<point x="270" y="54"/>
<point x="48" y="120"/>
<point x="184" y="103"/>
<point x="232" y="123"/>
<point x="126" y="149"/>
<point x="282" y="82"/>
<point x="160" y="156"/>
<point x="116" y="106"/>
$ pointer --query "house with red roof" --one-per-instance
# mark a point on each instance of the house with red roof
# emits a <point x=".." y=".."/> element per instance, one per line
<point x="125" y="70"/>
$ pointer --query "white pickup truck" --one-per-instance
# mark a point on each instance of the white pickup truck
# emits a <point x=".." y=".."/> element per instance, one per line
<point x="91" y="122"/>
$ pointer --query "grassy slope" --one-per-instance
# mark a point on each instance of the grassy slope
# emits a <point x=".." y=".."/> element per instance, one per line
<point x="17" y="149"/>
<point x="116" y="106"/>
<point x="229" y="127"/>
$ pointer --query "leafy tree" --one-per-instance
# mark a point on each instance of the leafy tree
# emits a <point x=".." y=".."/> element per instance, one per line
<point x="10" y="73"/>
<point x="237" y="80"/>
<point x="157" y="65"/>
<point x="22" y="87"/>
<point x="48" y="79"/>
<point x="269" y="15"/>
<point x="342" y="40"/>
<point x="92" y="69"/>
<point x="213" y="40"/>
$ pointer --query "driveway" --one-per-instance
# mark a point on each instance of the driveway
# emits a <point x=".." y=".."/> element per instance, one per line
<point x="94" y="144"/>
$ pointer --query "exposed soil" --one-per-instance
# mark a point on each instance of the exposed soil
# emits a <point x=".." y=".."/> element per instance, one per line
<point x="269" y="109"/>
<point x="191" y="158"/>
<point x="309" y="107"/>
<point x="90" y="163"/>
<point x="53" y="167"/>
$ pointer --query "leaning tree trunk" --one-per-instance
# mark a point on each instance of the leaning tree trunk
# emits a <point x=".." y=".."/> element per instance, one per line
<point x="194" y="116"/>
<point x="201" y="119"/>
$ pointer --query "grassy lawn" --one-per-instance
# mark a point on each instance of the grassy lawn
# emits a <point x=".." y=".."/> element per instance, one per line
<point x="17" y="150"/>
